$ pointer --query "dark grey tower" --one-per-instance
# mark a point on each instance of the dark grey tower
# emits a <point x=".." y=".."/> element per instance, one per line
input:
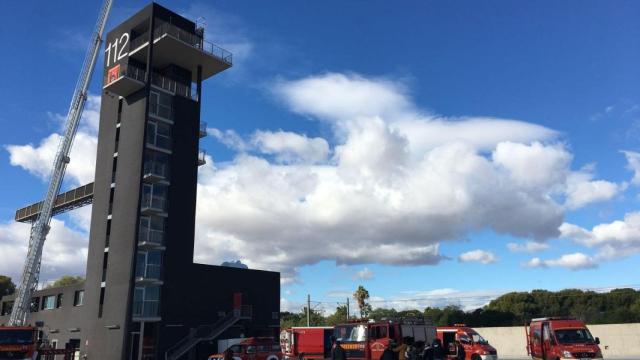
<point x="143" y="293"/>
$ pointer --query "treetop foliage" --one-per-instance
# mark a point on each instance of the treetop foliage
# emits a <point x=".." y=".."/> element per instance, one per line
<point x="511" y="309"/>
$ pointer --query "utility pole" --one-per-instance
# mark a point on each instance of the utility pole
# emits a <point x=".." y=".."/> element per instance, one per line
<point x="347" y="309"/>
<point x="308" y="310"/>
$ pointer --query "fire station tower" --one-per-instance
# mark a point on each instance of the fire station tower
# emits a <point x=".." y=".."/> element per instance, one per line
<point x="144" y="296"/>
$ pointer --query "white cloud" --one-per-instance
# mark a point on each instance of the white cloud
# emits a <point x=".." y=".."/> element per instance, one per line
<point x="290" y="147"/>
<point x="385" y="195"/>
<point x="633" y="164"/>
<point x="528" y="247"/>
<point x="575" y="261"/>
<point x="583" y="190"/>
<point x="466" y="300"/>
<point x="364" y="274"/>
<point x="64" y="252"/>
<point x="617" y="239"/>
<point x="480" y="256"/>
<point x="229" y="138"/>
<point x="38" y="159"/>
<point x="535" y="165"/>
<point x="338" y="97"/>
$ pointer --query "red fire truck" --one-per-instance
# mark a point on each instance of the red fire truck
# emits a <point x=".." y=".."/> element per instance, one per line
<point x="475" y="346"/>
<point x="306" y="342"/>
<point x="367" y="340"/>
<point x="23" y="342"/>
<point x="554" y="338"/>
<point x="253" y="348"/>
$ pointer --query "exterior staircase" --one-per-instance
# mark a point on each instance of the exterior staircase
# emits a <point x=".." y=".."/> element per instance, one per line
<point x="207" y="332"/>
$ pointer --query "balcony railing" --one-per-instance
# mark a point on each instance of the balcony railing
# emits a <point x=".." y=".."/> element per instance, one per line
<point x="153" y="204"/>
<point x="150" y="271"/>
<point x="203" y="129"/>
<point x="195" y="40"/>
<point x="151" y="236"/>
<point x="155" y="171"/>
<point x="173" y="86"/>
<point x="161" y="142"/>
<point x="124" y="70"/>
<point x="146" y="309"/>
<point x="202" y="157"/>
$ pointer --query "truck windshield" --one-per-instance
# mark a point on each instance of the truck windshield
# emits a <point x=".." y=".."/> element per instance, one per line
<point x="351" y="333"/>
<point x="573" y="336"/>
<point x="477" y="338"/>
<point x="16" y="337"/>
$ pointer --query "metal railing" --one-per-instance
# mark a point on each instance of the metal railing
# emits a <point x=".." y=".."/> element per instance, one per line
<point x="148" y="271"/>
<point x="150" y="236"/>
<point x="162" y="142"/>
<point x="203" y="129"/>
<point x="154" y="202"/>
<point x="146" y="309"/>
<point x="202" y="157"/>
<point x="195" y="40"/>
<point x="191" y="39"/>
<point x="173" y="86"/>
<point x="125" y="70"/>
<point x="156" y="168"/>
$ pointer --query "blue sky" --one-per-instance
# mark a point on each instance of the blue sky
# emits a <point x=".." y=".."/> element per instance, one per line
<point x="342" y="97"/>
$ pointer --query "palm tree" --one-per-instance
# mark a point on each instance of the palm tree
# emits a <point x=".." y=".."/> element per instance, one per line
<point x="362" y="295"/>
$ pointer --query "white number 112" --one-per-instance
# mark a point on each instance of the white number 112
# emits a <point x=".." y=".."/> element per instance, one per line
<point x="118" y="43"/>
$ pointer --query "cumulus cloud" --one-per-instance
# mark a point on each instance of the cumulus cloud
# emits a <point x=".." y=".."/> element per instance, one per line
<point x="582" y="189"/>
<point x="65" y="250"/>
<point x="633" y="164"/>
<point x="382" y="194"/>
<point x="289" y="147"/>
<point x="364" y="274"/>
<point x="38" y="159"/>
<point x="575" y="261"/>
<point x="528" y="247"/>
<point x="619" y="238"/>
<point x="479" y="256"/>
<point x="392" y="183"/>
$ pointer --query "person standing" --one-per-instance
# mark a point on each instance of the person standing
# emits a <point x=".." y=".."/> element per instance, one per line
<point x="460" y="351"/>
<point x="388" y="353"/>
<point x="401" y="350"/>
<point x="438" y="351"/>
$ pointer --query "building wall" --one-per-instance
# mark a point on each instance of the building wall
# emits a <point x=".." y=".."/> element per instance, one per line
<point x="62" y="323"/>
<point x="207" y="290"/>
<point x="619" y="341"/>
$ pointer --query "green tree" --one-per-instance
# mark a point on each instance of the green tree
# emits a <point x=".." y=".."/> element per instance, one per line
<point x="382" y="313"/>
<point x="339" y="317"/>
<point x="362" y="295"/>
<point x="66" y="280"/>
<point x="7" y="287"/>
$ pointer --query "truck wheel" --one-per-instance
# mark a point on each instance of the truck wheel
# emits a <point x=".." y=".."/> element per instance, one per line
<point x="475" y="357"/>
<point x="301" y="357"/>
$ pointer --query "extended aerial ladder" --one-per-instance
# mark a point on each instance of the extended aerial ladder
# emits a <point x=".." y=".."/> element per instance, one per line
<point x="40" y="228"/>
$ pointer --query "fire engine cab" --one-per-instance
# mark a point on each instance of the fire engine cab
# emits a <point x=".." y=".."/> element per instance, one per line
<point x="475" y="346"/>
<point x="253" y="348"/>
<point x="367" y="340"/>
<point x="554" y="338"/>
<point x="25" y="342"/>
